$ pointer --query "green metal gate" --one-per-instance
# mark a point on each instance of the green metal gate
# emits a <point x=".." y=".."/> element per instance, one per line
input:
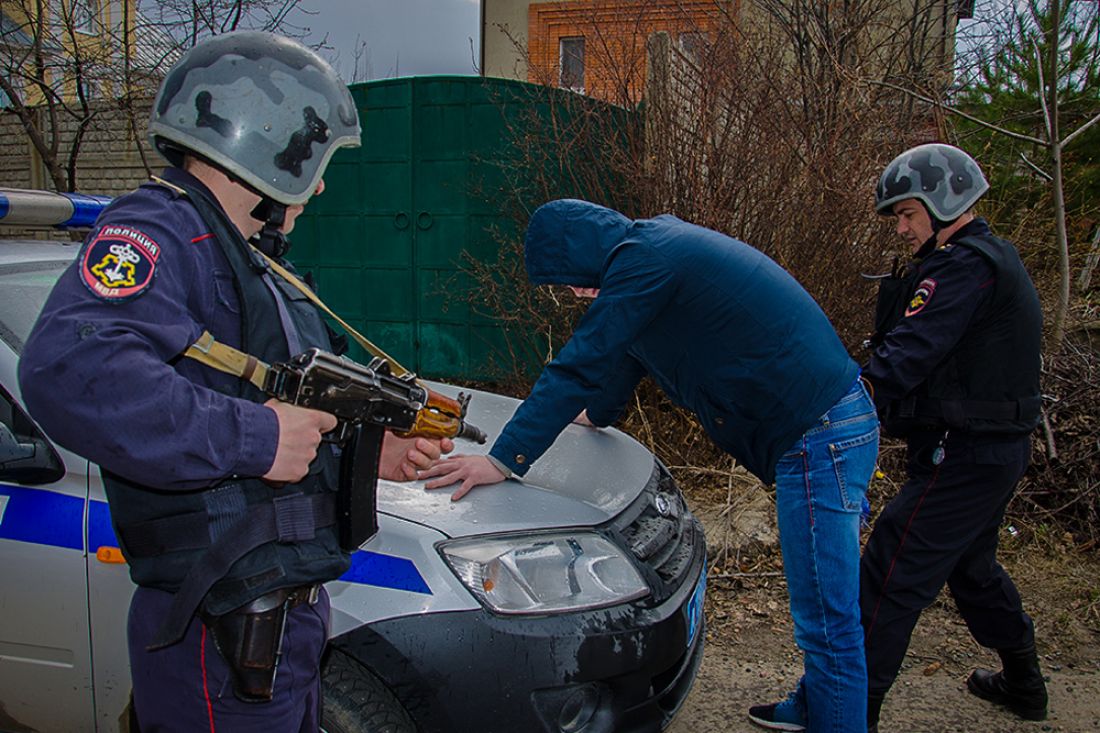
<point x="386" y="240"/>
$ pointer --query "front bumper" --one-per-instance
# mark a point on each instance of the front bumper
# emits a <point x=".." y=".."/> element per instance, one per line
<point x="625" y="669"/>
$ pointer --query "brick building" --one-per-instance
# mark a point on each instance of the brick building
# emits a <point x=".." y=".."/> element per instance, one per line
<point x="598" y="47"/>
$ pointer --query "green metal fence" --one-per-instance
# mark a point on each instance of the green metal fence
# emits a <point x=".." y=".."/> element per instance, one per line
<point x="387" y="240"/>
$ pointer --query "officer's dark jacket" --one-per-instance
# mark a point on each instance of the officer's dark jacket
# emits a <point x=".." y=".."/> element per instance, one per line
<point x="102" y="372"/>
<point x="960" y="343"/>
<point x="720" y="327"/>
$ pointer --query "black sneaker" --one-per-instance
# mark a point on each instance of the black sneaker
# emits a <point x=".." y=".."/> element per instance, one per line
<point x="786" y="715"/>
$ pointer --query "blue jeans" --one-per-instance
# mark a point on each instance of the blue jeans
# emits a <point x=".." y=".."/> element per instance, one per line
<point x="820" y="485"/>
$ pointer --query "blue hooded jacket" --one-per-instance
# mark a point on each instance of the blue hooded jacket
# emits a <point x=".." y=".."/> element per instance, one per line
<point x="721" y="328"/>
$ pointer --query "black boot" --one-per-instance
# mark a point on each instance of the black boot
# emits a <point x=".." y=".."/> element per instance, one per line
<point x="1019" y="686"/>
<point x="874" y="706"/>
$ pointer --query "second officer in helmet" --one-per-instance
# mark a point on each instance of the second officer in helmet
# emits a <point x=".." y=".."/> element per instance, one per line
<point x="955" y="370"/>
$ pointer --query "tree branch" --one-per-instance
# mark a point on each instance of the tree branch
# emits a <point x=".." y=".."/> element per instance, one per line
<point x="1043" y="97"/>
<point x="964" y="115"/>
<point x="1080" y="129"/>
<point x="1036" y="168"/>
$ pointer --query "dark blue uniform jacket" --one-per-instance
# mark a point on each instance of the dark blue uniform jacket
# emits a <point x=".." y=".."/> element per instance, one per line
<point x="102" y="370"/>
<point x="955" y="283"/>
<point x="720" y="327"/>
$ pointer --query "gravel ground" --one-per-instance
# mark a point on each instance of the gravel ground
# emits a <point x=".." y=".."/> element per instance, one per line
<point x="751" y="657"/>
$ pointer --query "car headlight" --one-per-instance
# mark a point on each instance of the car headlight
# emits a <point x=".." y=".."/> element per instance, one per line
<point x="545" y="573"/>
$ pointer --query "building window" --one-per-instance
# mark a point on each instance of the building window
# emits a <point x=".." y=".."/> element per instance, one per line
<point x="91" y="91"/>
<point x="85" y="15"/>
<point x="693" y="44"/>
<point x="965" y="8"/>
<point x="571" y="61"/>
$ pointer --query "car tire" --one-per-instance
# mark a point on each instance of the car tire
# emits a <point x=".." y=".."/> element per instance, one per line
<point x="356" y="701"/>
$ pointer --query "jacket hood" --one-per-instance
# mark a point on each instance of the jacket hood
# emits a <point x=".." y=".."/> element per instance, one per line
<point x="568" y="242"/>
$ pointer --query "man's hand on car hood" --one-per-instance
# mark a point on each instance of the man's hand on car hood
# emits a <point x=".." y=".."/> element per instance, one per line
<point x="470" y="470"/>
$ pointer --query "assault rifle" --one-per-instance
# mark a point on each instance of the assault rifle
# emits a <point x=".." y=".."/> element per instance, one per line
<point x="366" y="401"/>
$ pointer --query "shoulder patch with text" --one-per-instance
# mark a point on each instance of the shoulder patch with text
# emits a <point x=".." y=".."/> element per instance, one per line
<point x="119" y="263"/>
<point x="921" y="296"/>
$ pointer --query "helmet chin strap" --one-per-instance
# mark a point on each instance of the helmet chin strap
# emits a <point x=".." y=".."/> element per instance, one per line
<point x="937" y="227"/>
<point x="271" y="240"/>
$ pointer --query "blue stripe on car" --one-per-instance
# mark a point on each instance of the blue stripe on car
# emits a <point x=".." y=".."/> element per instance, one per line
<point x="387" y="571"/>
<point x="42" y="517"/>
<point x="101" y="533"/>
<point x="48" y="518"/>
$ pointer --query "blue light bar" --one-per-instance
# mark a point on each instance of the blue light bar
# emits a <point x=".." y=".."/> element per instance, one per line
<point x="21" y="207"/>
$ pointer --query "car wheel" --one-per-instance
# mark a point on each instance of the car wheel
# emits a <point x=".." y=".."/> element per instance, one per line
<point x="355" y="701"/>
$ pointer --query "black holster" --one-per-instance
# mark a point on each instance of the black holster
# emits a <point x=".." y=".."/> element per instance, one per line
<point x="250" y="639"/>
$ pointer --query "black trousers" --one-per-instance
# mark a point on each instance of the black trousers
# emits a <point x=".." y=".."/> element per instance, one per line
<point x="187" y="687"/>
<point x="942" y="528"/>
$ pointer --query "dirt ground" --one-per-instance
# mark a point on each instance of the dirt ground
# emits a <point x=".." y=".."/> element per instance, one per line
<point x="751" y="656"/>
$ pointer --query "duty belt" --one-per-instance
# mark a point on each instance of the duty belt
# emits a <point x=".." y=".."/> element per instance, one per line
<point x="290" y="518"/>
<point x="290" y="596"/>
<point x="955" y="413"/>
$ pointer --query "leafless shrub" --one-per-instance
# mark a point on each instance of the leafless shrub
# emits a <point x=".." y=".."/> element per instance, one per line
<point x="1062" y="486"/>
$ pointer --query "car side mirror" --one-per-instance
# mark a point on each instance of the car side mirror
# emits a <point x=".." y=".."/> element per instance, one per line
<point x="11" y="449"/>
<point x="27" y="460"/>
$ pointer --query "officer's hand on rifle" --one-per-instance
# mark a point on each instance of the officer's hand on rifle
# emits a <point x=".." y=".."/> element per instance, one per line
<point x="470" y="470"/>
<point x="402" y="457"/>
<point x="300" y="431"/>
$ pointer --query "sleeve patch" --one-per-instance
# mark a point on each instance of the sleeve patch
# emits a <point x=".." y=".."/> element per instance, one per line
<point x="119" y="263"/>
<point x="921" y="296"/>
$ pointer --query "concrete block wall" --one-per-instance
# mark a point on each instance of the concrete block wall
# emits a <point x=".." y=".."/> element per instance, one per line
<point x="109" y="161"/>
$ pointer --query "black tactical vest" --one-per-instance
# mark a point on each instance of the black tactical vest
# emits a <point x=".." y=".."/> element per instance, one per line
<point x="170" y="539"/>
<point x="989" y="383"/>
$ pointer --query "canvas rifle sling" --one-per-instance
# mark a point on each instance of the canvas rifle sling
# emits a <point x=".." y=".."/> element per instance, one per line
<point x="207" y="350"/>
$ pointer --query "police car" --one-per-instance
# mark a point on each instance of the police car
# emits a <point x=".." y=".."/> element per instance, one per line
<point x="570" y="602"/>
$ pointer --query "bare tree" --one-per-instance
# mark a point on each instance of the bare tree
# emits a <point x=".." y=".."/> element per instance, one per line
<point x="64" y="62"/>
<point x="48" y="72"/>
<point x="774" y="137"/>
<point x="1043" y="41"/>
<point x="189" y="21"/>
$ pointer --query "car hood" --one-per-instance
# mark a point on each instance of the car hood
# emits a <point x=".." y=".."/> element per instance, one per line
<point x="586" y="478"/>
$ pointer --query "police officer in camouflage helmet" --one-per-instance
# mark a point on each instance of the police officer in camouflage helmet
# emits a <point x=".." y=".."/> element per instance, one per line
<point x="222" y="501"/>
<point x="955" y="371"/>
<point x="943" y="178"/>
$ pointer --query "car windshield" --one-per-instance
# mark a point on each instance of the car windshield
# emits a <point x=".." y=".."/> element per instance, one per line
<point x="23" y="291"/>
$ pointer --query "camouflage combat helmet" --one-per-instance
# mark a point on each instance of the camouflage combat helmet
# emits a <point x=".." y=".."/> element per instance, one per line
<point x="260" y="106"/>
<point x="945" y="179"/>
